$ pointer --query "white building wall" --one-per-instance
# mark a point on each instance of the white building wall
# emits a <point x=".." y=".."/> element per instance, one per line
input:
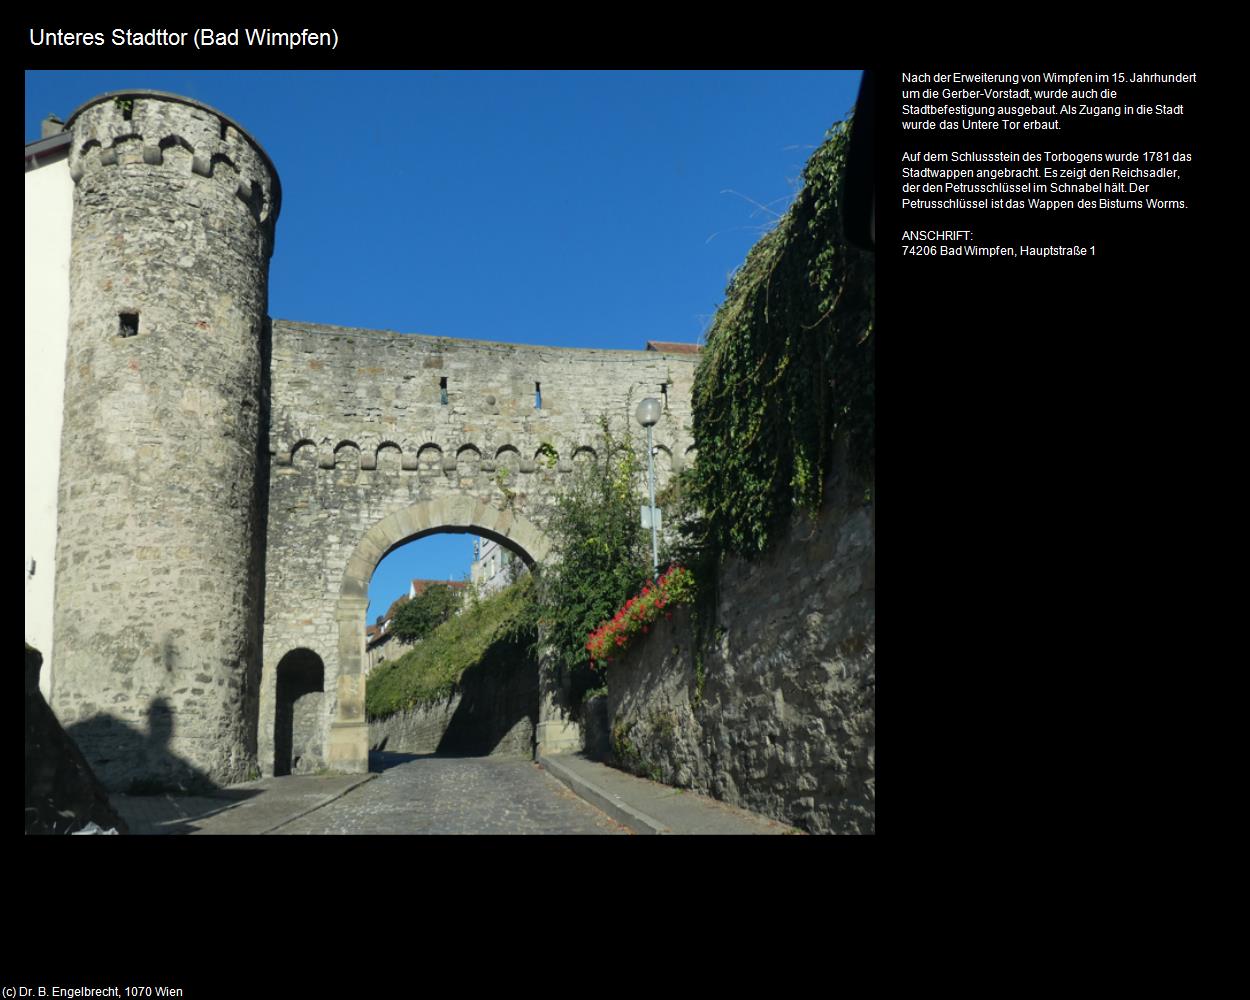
<point x="489" y="571"/>
<point x="49" y="205"/>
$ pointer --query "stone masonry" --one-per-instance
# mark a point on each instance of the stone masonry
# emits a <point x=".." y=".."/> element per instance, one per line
<point x="157" y="624"/>
<point x="493" y="711"/>
<point x="785" y="720"/>
<point x="229" y="483"/>
<point x="361" y="434"/>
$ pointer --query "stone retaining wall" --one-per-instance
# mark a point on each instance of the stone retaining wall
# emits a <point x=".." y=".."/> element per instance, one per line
<point x="785" y="723"/>
<point x="493" y="712"/>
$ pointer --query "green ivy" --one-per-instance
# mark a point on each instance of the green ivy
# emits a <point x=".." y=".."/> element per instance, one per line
<point x="788" y="365"/>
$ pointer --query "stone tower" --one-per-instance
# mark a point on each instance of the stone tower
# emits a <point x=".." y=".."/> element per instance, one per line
<point x="160" y="548"/>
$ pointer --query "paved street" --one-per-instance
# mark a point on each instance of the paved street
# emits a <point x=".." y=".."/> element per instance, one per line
<point x="427" y="794"/>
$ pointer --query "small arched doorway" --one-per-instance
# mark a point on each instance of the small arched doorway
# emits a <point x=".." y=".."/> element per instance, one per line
<point x="298" y="709"/>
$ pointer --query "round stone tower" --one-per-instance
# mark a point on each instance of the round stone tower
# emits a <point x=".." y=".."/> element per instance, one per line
<point x="160" y="543"/>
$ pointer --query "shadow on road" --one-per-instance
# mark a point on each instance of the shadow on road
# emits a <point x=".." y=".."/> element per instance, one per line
<point x="384" y="760"/>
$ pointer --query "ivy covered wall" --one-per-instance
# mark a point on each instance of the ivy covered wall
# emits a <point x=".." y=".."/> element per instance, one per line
<point x="787" y="367"/>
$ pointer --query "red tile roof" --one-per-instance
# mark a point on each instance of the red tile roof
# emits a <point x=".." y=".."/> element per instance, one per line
<point x="668" y="347"/>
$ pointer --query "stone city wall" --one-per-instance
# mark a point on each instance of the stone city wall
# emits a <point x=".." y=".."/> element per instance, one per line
<point x="360" y="431"/>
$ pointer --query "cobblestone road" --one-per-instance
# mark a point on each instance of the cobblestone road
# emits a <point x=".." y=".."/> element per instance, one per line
<point x="428" y="794"/>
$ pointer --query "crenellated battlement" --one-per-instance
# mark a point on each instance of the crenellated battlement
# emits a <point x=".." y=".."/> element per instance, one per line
<point x="145" y="128"/>
<point x="370" y="452"/>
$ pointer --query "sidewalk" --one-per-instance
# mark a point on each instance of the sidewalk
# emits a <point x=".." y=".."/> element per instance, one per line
<point x="649" y="807"/>
<point x="253" y="807"/>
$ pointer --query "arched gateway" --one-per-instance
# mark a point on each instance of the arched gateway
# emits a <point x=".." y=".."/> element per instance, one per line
<point x="228" y="482"/>
<point x="347" y="743"/>
<point x="378" y="439"/>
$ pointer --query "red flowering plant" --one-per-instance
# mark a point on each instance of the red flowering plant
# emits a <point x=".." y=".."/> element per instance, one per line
<point x="611" y="638"/>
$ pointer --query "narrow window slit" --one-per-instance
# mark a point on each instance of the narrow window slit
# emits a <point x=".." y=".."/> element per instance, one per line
<point x="538" y="396"/>
<point x="442" y="390"/>
<point x="128" y="324"/>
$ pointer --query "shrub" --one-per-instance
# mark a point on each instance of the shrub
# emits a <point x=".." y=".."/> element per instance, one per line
<point x="603" y="554"/>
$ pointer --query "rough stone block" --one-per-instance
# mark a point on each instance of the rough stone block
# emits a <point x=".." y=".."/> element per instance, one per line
<point x="370" y="550"/>
<point x="351" y="692"/>
<point x="483" y="515"/>
<point x="359" y="568"/>
<point x="405" y="522"/>
<point x="436" y="513"/>
<point x="348" y="748"/>
<point x="388" y="531"/>
<point x="458" y="510"/>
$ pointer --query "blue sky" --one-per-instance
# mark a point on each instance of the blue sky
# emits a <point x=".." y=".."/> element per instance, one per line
<point x="563" y="208"/>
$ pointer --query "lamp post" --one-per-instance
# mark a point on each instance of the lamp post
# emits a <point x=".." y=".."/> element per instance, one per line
<point x="648" y="415"/>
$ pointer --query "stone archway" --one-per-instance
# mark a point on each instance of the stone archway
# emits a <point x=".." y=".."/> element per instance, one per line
<point x="347" y="747"/>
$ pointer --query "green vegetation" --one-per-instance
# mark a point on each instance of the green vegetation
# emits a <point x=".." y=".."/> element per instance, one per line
<point x="628" y="755"/>
<point x="604" y="555"/>
<point x="548" y="453"/>
<point x="788" y="364"/>
<point x="416" y="618"/>
<point x="501" y="480"/>
<point x="498" y="632"/>
<point x="787" y="368"/>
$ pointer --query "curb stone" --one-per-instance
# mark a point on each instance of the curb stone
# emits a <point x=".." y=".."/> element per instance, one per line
<point x="611" y="804"/>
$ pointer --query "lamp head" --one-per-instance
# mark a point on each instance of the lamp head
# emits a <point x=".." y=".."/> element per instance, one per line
<point x="648" y="412"/>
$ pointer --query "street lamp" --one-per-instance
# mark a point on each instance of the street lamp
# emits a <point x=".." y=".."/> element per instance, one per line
<point x="648" y="415"/>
